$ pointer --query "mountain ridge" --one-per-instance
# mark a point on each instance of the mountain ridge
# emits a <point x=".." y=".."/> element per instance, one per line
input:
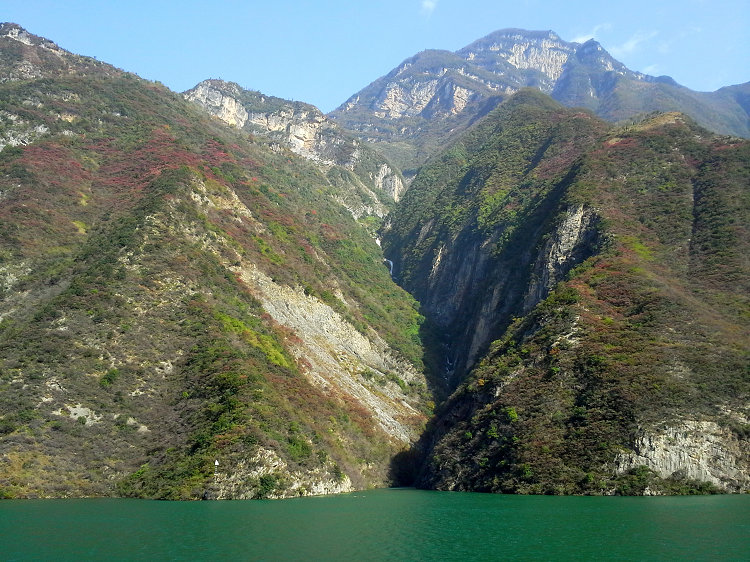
<point x="499" y="64"/>
<point x="307" y="132"/>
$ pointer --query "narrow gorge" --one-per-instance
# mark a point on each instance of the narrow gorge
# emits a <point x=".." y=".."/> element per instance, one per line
<point x="519" y="267"/>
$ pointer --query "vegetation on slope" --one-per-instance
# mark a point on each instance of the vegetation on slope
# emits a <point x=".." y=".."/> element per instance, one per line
<point x="128" y="343"/>
<point x="649" y="330"/>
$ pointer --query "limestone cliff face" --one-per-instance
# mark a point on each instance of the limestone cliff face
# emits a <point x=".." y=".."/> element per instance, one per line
<point x="692" y="449"/>
<point x="569" y="244"/>
<point x="231" y="483"/>
<point x="399" y="100"/>
<point x="304" y="130"/>
<point x="337" y="357"/>
<point x="540" y="52"/>
<point x="220" y="102"/>
<point x="470" y="291"/>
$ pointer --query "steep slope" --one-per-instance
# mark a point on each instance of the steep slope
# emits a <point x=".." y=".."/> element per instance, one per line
<point x="174" y="292"/>
<point x="456" y="240"/>
<point x="586" y="287"/>
<point x="301" y="127"/>
<point x="436" y="95"/>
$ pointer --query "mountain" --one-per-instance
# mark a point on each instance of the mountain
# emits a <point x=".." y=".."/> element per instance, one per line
<point x="585" y="288"/>
<point x="307" y="132"/>
<point x="436" y="95"/>
<point x="194" y="302"/>
<point x="176" y="293"/>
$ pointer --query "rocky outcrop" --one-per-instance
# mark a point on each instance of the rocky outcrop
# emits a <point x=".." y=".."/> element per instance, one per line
<point x="15" y="131"/>
<point x="266" y="475"/>
<point x="17" y="33"/>
<point x="692" y="450"/>
<point x="390" y="181"/>
<point x="222" y="103"/>
<point x="304" y="130"/>
<point x="399" y="100"/>
<point x="25" y="56"/>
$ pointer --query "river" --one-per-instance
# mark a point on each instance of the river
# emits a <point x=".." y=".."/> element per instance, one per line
<point x="396" y="524"/>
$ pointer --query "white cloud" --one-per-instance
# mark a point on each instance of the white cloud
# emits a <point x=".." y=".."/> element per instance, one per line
<point x="593" y="34"/>
<point x="633" y="44"/>
<point x="652" y="69"/>
<point x="428" y="6"/>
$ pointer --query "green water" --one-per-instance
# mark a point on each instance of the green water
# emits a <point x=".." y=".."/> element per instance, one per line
<point x="399" y="524"/>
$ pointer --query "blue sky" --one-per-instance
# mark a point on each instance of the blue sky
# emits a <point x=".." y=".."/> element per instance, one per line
<point x="324" y="51"/>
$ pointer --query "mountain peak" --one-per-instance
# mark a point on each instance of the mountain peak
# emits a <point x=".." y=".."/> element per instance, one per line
<point x="516" y="34"/>
<point x="508" y="51"/>
<point x="18" y="33"/>
<point x="437" y="91"/>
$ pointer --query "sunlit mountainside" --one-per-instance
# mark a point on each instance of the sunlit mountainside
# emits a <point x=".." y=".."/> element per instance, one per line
<point x="223" y="294"/>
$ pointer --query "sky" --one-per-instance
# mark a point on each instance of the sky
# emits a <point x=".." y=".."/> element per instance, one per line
<point x="324" y="51"/>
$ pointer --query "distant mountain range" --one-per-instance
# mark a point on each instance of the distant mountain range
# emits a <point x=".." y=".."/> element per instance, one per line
<point x="435" y="95"/>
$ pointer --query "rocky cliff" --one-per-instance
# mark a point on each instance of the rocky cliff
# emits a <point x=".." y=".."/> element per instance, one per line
<point x="25" y="56"/>
<point x="701" y="451"/>
<point x="307" y="132"/>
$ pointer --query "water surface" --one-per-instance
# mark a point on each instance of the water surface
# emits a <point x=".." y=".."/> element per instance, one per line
<point x="400" y="524"/>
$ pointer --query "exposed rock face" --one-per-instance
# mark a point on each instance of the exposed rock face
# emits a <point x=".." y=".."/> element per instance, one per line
<point x="339" y="357"/>
<point x="304" y="130"/>
<point x="220" y="103"/>
<point x="696" y="450"/>
<point x="473" y="292"/>
<point x="389" y="181"/>
<point x="17" y="131"/>
<point x="19" y="34"/>
<point x="542" y="52"/>
<point x="435" y="95"/>
<point x="242" y="481"/>
<point x="399" y="101"/>
<point x="568" y="245"/>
